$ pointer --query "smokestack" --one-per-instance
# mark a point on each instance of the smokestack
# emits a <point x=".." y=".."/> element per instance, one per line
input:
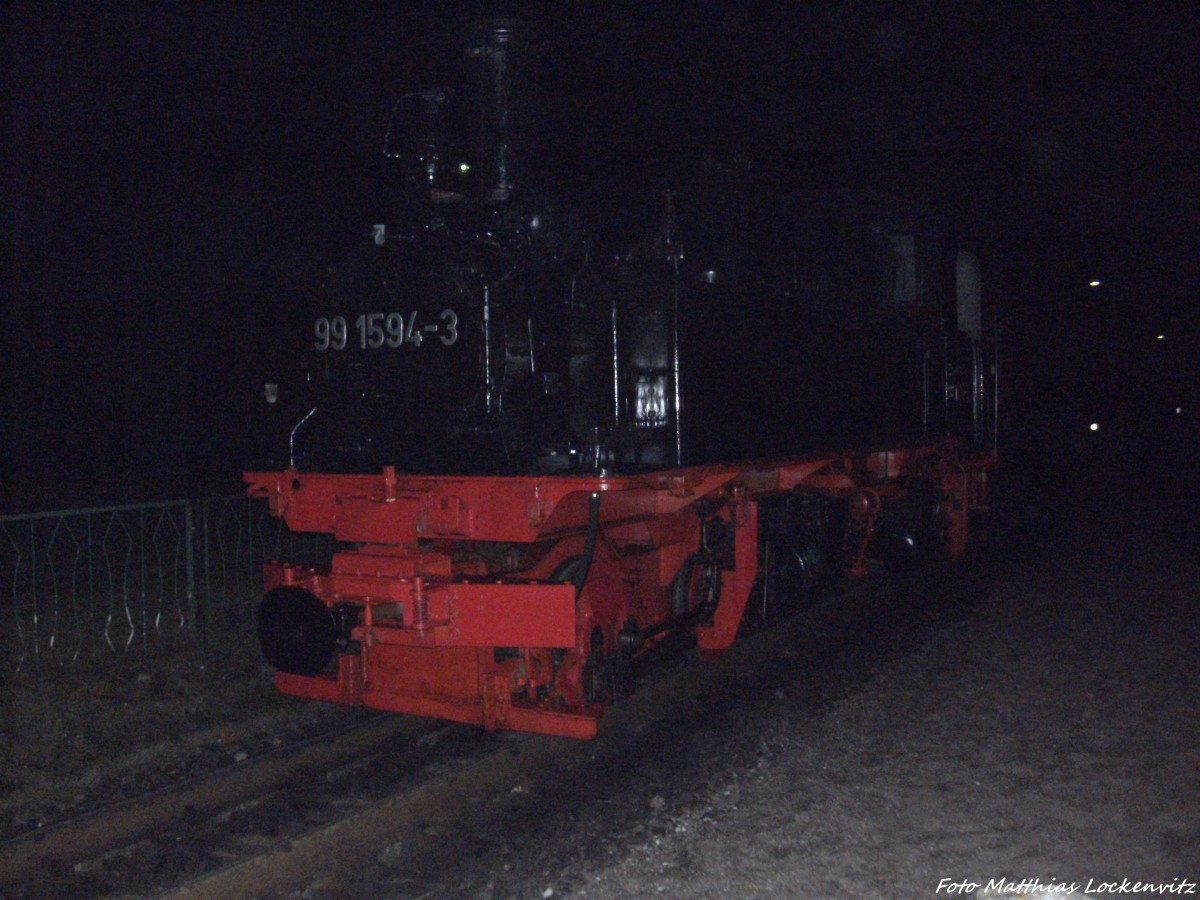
<point x="501" y="55"/>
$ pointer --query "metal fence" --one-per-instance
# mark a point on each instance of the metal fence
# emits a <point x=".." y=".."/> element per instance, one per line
<point x="235" y="537"/>
<point x="82" y="583"/>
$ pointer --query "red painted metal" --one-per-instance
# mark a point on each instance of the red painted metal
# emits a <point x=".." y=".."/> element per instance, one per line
<point x="462" y="617"/>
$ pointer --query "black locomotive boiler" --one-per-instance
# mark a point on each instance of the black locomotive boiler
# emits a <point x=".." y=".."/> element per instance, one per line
<point x="479" y="328"/>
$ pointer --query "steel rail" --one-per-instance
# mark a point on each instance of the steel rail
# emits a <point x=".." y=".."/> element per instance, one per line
<point x="102" y="827"/>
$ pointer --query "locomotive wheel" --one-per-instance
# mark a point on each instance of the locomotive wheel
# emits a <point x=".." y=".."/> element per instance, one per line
<point x="605" y="669"/>
<point x="597" y="681"/>
<point x="899" y="549"/>
<point x="911" y="531"/>
<point x="791" y="579"/>
<point x="608" y="673"/>
<point x="296" y="631"/>
<point x="697" y="585"/>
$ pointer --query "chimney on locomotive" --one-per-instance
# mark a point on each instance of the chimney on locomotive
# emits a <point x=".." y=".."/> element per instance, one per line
<point x="502" y="63"/>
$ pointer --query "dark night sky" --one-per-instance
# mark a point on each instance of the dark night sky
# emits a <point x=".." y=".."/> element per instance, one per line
<point x="176" y="173"/>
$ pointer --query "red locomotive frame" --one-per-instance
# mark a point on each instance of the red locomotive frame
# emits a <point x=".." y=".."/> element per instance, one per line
<point x="508" y="602"/>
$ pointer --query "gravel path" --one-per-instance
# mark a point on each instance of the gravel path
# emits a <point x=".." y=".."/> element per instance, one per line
<point x="1051" y="739"/>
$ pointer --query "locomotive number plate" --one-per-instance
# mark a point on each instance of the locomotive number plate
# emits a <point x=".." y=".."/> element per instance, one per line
<point x="375" y="331"/>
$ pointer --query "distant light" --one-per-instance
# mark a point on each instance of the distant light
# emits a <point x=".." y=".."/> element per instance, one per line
<point x="1162" y="337"/>
<point x="1095" y="426"/>
<point x="463" y="167"/>
<point x="1095" y="283"/>
<point x="1179" y="410"/>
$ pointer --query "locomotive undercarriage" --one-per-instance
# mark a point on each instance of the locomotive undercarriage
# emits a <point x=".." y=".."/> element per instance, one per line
<point x="520" y="602"/>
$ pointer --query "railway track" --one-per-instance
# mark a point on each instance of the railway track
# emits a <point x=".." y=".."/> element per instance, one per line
<point x="412" y="807"/>
<point x="135" y="845"/>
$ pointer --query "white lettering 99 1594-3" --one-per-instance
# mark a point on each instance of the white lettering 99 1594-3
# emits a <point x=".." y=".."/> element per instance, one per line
<point x="379" y="331"/>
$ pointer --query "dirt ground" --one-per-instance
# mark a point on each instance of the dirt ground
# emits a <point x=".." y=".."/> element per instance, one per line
<point x="1047" y="739"/>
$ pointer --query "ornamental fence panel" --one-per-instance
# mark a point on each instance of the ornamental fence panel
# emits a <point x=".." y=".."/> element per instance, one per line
<point x="81" y="584"/>
<point x="235" y="536"/>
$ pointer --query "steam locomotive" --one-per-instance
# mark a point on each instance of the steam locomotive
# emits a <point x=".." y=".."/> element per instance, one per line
<point x="520" y="435"/>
